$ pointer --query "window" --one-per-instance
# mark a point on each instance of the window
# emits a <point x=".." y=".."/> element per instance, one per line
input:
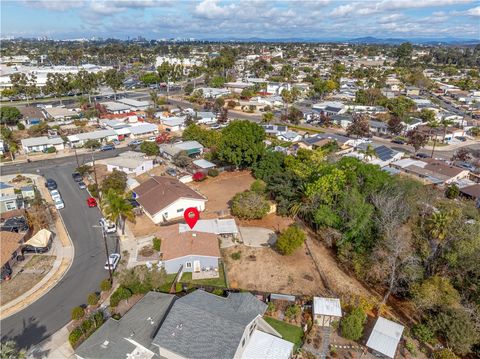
<point x="179" y="210"/>
<point x="10" y="205"/>
<point x="188" y="264"/>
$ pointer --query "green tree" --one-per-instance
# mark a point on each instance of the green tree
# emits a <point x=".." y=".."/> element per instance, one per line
<point x="92" y="299"/>
<point x="404" y="53"/>
<point x="207" y="138"/>
<point x="290" y="240"/>
<point x="249" y="205"/>
<point x="395" y="125"/>
<point x="9" y="115"/>
<point x="92" y="144"/>
<point x="258" y="186"/>
<point x="217" y="81"/>
<point x="114" y="79"/>
<point x="456" y="328"/>
<point x="149" y="148"/>
<point x="270" y="164"/>
<point x="9" y="350"/>
<point x="294" y="115"/>
<point x="427" y="115"/>
<point x="58" y="84"/>
<point x="452" y="191"/>
<point x="116" y="181"/>
<point x="241" y="143"/>
<point x="182" y="159"/>
<point x="267" y="117"/>
<point x="117" y="209"/>
<point x="417" y="139"/>
<point x="149" y="78"/>
<point x="77" y="313"/>
<point x="352" y="324"/>
<point x="359" y="126"/>
<point x="444" y="354"/>
<point x="434" y="293"/>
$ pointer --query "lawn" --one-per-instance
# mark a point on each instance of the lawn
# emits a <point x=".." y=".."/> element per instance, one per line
<point x="214" y="282"/>
<point x="168" y="283"/>
<point x="289" y="332"/>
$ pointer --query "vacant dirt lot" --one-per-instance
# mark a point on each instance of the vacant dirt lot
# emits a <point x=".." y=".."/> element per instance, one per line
<point x="34" y="270"/>
<point x="265" y="270"/>
<point x="220" y="190"/>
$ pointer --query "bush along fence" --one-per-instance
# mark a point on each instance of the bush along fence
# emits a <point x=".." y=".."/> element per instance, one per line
<point x="86" y="328"/>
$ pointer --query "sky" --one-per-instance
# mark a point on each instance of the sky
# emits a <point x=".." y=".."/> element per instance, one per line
<point x="226" y="19"/>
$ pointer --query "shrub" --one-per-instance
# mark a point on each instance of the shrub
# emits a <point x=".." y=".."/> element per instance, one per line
<point x="92" y="299"/>
<point x="258" y="186"/>
<point x="352" y="324"/>
<point x="292" y="311"/>
<point x="51" y="150"/>
<point x="87" y="325"/>
<point x="20" y="126"/>
<point x="97" y="319"/>
<point x="199" y="176"/>
<point x="290" y="239"/>
<point x="410" y="347"/>
<point x="452" y="191"/>
<point x="236" y="255"/>
<point x="213" y="172"/>
<point x="93" y="189"/>
<point x="116" y="181"/>
<point x="120" y="294"/>
<point x="75" y="336"/>
<point x="249" y="205"/>
<point x="157" y="244"/>
<point x="149" y="148"/>
<point x="105" y="285"/>
<point x="445" y="354"/>
<point x="116" y="316"/>
<point x="422" y="333"/>
<point x="218" y="291"/>
<point x="77" y="313"/>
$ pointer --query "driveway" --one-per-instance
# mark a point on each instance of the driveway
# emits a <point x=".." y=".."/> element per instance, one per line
<point x="52" y="311"/>
<point x="257" y="236"/>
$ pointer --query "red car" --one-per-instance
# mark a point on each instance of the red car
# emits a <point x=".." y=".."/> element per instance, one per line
<point x="91" y="202"/>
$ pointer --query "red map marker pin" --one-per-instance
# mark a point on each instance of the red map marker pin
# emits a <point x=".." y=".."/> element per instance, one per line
<point x="191" y="216"/>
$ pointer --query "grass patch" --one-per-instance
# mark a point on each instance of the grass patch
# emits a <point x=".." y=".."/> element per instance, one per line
<point x="289" y="332"/>
<point x="301" y="128"/>
<point x="168" y="283"/>
<point x="214" y="282"/>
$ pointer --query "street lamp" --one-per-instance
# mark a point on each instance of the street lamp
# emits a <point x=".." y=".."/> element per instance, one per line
<point x="106" y="252"/>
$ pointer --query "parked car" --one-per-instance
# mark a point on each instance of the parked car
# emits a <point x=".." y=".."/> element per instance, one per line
<point x="112" y="262"/>
<point x="77" y="177"/>
<point x="108" y="226"/>
<point x="135" y="143"/>
<point x="152" y="139"/>
<point x="91" y="202"/>
<point x="467" y="166"/>
<point x="171" y="171"/>
<point x="55" y="194"/>
<point x="116" y="142"/>
<point x="107" y="148"/>
<point x="461" y="138"/>
<point x="366" y="140"/>
<point x="422" y="155"/>
<point x="59" y="203"/>
<point x="51" y="184"/>
<point x="398" y="141"/>
<point x="82" y="185"/>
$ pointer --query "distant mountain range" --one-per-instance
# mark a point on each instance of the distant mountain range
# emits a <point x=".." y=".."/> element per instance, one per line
<point x="360" y="40"/>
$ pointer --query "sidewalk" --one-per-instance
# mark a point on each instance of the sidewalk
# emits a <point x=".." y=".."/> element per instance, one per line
<point x="55" y="346"/>
<point x="64" y="251"/>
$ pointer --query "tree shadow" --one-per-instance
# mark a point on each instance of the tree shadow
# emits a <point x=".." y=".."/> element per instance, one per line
<point x="30" y="334"/>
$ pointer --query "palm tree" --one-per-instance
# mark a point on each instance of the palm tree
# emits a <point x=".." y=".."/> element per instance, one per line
<point x="437" y="225"/>
<point x="434" y="124"/>
<point x="445" y="123"/>
<point x="117" y="209"/>
<point x="369" y="152"/>
<point x="154" y="98"/>
<point x="267" y="117"/>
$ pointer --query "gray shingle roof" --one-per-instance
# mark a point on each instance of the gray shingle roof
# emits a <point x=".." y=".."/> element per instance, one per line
<point x="203" y="325"/>
<point x="138" y="324"/>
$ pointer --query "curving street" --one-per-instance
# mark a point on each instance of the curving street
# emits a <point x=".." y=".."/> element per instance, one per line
<point x="52" y="311"/>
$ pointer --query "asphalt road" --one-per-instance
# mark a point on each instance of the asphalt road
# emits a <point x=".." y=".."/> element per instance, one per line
<point x="52" y="311"/>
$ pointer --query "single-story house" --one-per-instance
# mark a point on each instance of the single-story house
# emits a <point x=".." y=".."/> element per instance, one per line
<point x="204" y="325"/>
<point x="214" y="93"/>
<point x="326" y="311"/>
<point x="206" y="117"/>
<point x="190" y="147"/>
<point x="274" y="129"/>
<point x="32" y="115"/>
<point x="60" y="113"/>
<point x="431" y="170"/>
<point x="38" y="144"/>
<point x="343" y="120"/>
<point x="329" y="108"/>
<point x="472" y="192"/>
<point x="134" y="105"/>
<point x="9" y="249"/>
<point x="190" y="250"/>
<point x="378" y="127"/>
<point x="101" y="135"/>
<point x="289" y="136"/>
<point x="129" y="162"/>
<point x="116" y="107"/>
<point x="173" y="124"/>
<point x="131" y="335"/>
<point x="204" y="164"/>
<point x="8" y="198"/>
<point x="322" y="139"/>
<point x="412" y="91"/>
<point x="385" y="337"/>
<point x="165" y="199"/>
<point x="382" y="156"/>
<point x="214" y="226"/>
<point x="143" y="130"/>
<point x="28" y="192"/>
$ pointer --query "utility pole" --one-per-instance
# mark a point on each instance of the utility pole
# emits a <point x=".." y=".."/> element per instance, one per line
<point x="76" y="156"/>
<point x="168" y="80"/>
<point x="95" y="176"/>
<point x="106" y="252"/>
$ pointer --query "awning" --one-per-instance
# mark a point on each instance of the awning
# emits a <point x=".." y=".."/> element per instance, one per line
<point x="41" y="239"/>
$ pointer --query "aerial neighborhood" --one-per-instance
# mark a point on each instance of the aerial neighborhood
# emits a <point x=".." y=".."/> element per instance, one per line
<point x="178" y="198"/>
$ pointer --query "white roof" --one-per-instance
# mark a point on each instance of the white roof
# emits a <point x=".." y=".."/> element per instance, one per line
<point x="215" y="226"/>
<point x="204" y="163"/>
<point x="95" y="135"/>
<point x="385" y="337"/>
<point x="143" y="128"/>
<point x="125" y="162"/>
<point x="327" y="306"/>
<point x="133" y="103"/>
<point x="115" y="106"/>
<point x="39" y="141"/>
<point x="173" y="121"/>
<point x="409" y="162"/>
<point x="263" y="345"/>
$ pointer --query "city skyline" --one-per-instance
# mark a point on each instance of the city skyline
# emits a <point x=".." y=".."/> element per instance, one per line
<point x="216" y="19"/>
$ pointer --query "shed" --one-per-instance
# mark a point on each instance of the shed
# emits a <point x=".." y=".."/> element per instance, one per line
<point x="326" y="310"/>
<point x="263" y="345"/>
<point x="284" y="297"/>
<point x="204" y="164"/>
<point x="385" y="337"/>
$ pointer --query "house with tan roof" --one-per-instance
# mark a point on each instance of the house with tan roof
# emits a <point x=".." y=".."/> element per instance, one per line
<point x="164" y="199"/>
<point x="196" y="251"/>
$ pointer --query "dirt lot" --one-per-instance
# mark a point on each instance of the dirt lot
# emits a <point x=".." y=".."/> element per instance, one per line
<point x="265" y="270"/>
<point x="220" y="190"/>
<point x="33" y="271"/>
<point x="142" y="227"/>
<point x="156" y="171"/>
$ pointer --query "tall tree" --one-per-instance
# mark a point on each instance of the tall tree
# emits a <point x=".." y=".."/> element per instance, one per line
<point x="434" y="124"/>
<point x="359" y="126"/>
<point x="117" y="209"/>
<point x="395" y="125"/>
<point x="417" y="139"/>
<point x="114" y="80"/>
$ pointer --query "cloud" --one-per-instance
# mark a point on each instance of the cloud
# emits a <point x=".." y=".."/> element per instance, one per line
<point x="210" y="9"/>
<point x="473" y="12"/>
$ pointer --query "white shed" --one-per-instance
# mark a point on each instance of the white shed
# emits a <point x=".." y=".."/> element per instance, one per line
<point x="385" y="337"/>
<point x="326" y="310"/>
